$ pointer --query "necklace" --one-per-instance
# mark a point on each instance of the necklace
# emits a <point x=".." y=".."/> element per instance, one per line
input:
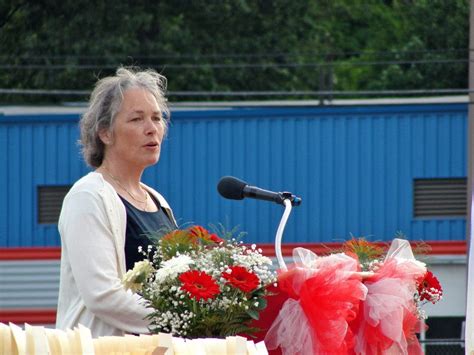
<point x="145" y="202"/>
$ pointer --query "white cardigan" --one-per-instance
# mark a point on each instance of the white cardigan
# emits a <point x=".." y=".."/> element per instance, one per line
<point x="92" y="227"/>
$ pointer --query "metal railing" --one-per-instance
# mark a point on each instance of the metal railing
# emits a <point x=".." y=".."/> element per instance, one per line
<point x="443" y="346"/>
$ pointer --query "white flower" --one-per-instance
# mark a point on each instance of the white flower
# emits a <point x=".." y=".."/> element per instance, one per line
<point x="133" y="279"/>
<point x="172" y="267"/>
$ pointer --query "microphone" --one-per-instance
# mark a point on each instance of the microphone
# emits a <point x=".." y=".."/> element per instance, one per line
<point x="235" y="189"/>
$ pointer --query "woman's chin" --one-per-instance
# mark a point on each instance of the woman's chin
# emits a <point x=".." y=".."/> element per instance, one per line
<point x="151" y="161"/>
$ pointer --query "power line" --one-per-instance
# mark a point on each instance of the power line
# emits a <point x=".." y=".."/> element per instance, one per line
<point x="319" y="93"/>
<point x="234" y="65"/>
<point x="252" y="93"/>
<point x="44" y="92"/>
<point x="237" y="55"/>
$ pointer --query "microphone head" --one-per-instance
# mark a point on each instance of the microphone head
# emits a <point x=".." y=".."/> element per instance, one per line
<point x="231" y="187"/>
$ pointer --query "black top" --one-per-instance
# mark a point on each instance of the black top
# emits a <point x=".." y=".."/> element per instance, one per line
<point x="139" y="225"/>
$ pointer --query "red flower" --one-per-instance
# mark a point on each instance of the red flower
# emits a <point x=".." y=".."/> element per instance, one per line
<point x="242" y="279"/>
<point x="204" y="234"/>
<point x="199" y="284"/>
<point x="429" y="288"/>
<point x="215" y="238"/>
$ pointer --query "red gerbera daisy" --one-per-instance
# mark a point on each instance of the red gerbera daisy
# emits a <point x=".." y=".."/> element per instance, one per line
<point x="204" y="234"/>
<point x="429" y="288"/>
<point x="199" y="284"/>
<point x="242" y="279"/>
<point x="215" y="238"/>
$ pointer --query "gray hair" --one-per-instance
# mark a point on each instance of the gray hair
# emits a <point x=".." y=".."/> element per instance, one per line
<point x="105" y="102"/>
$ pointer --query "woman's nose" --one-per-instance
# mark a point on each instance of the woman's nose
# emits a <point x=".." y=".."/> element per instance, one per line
<point x="150" y="126"/>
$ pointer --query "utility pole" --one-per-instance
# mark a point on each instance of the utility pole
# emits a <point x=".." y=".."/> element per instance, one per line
<point x="469" y="324"/>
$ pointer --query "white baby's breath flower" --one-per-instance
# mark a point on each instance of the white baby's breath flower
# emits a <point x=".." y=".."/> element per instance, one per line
<point x="172" y="267"/>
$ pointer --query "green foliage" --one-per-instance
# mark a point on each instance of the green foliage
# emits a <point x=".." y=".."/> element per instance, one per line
<point x="222" y="324"/>
<point x="226" y="232"/>
<point x="365" y="251"/>
<point x="231" y="45"/>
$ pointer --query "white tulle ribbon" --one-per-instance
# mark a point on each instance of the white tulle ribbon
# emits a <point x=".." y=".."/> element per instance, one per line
<point x="309" y="263"/>
<point x="308" y="260"/>
<point x="291" y="330"/>
<point x="400" y="249"/>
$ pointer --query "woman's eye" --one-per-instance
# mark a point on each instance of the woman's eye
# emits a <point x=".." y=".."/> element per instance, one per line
<point x="136" y="118"/>
<point x="157" y="118"/>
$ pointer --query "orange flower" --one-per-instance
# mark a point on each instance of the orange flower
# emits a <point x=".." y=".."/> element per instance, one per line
<point x="179" y="236"/>
<point x="242" y="279"/>
<point x="198" y="231"/>
<point x="362" y="250"/>
<point x="199" y="284"/>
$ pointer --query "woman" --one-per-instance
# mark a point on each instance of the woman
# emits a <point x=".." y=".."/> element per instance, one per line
<point x="106" y="215"/>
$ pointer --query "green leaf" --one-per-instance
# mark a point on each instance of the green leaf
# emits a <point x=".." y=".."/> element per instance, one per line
<point x="253" y="313"/>
<point x="262" y="304"/>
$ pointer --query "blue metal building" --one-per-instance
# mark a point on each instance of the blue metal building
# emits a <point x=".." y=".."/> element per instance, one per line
<point x="354" y="167"/>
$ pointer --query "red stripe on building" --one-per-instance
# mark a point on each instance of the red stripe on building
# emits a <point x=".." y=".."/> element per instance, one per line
<point x="30" y="316"/>
<point x="45" y="253"/>
<point x="433" y="248"/>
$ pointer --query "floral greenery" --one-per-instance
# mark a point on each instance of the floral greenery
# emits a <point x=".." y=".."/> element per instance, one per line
<point x="365" y="251"/>
<point x="199" y="284"/>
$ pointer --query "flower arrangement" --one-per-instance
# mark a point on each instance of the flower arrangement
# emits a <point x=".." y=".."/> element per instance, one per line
<point x="201" y="285"/>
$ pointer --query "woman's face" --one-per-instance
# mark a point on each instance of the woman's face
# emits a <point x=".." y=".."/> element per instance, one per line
<point x="137" y="133"/>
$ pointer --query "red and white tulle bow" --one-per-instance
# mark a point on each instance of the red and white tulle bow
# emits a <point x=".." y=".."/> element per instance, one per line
<point x="333" y="308"/>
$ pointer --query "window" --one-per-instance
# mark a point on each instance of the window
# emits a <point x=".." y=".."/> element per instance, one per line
<point x="440" y="197"/>
<point x="50" y="200"/>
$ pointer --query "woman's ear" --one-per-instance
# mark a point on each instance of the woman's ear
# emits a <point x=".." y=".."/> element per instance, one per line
<point x="105" y="136"/>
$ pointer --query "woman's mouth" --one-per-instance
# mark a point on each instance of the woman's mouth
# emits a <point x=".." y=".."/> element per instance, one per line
<point x="152" y="145"/>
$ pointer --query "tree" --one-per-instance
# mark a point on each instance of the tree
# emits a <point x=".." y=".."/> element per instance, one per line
<point x="231" y="45"/>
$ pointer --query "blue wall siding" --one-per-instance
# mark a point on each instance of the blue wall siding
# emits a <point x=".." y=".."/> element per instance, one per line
<point x="353" y="166"/>
<point x="35" y="151"/>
